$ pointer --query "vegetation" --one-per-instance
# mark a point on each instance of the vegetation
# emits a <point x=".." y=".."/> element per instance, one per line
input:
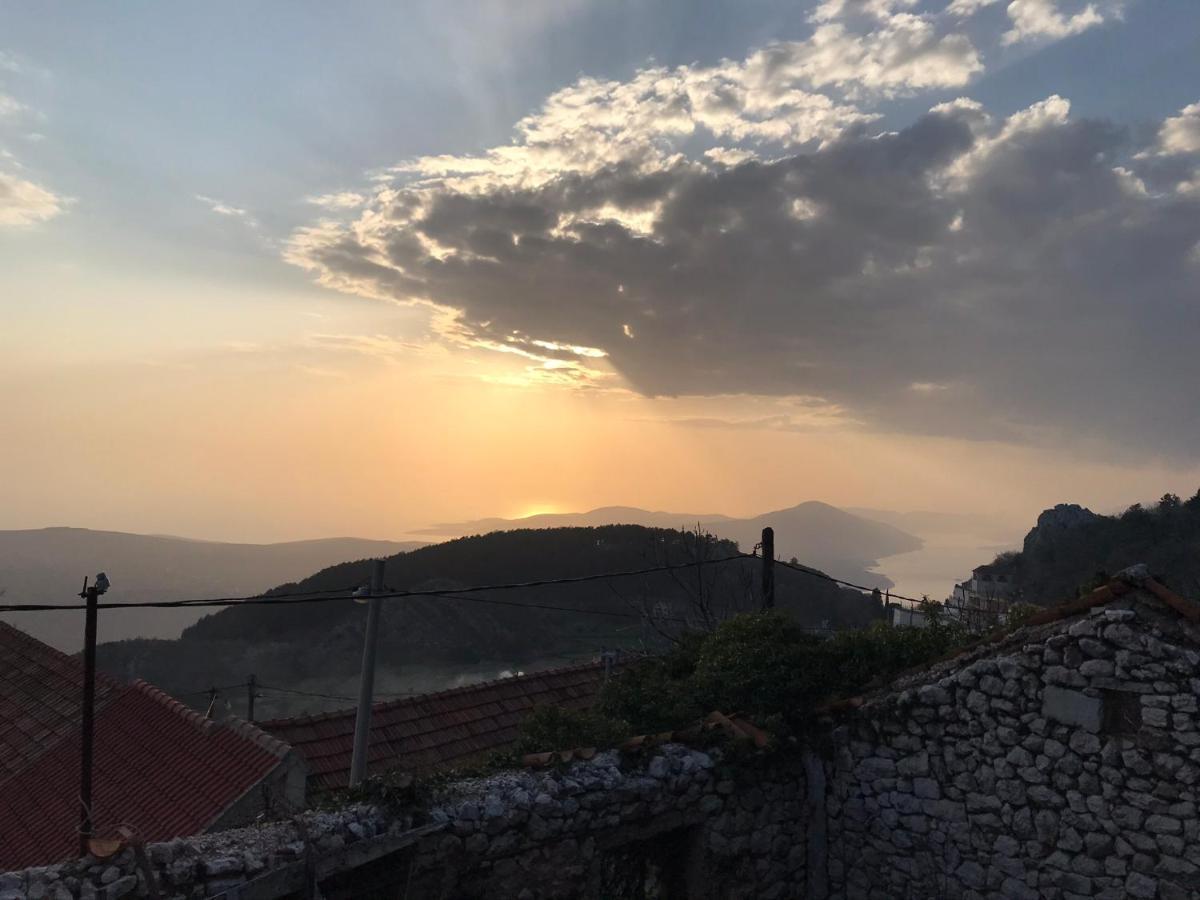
<point x="1059" y="563"/>
<point x="555" y="728"/>
<point x="766" y="667"/>
<point x="317" y="647"/>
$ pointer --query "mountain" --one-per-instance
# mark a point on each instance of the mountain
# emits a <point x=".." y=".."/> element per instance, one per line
<point x="429" y="641"/>
<point x="833" y="540"/>
<point x="47" y="565"/>
<point x="1071" y="548"/>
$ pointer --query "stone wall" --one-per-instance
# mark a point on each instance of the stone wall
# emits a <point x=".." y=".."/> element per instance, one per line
<point x="674" y="823"/>
<point x="1060" y="764"/>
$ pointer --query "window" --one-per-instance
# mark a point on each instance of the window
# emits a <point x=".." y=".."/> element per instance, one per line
<point x="1121" y="712"/>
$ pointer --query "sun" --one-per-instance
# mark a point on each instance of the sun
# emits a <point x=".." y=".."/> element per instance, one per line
<point x="537" y="509"/>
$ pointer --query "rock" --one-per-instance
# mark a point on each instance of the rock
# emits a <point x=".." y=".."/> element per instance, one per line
<point x="1163" y="825"/>
<point x="1140" y="886"/>
<point x="122" y="887"/>
<point x="971" y="874"/>
<point x="1096" y="667"/>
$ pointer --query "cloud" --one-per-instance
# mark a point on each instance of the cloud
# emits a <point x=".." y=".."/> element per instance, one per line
<point x="342" y="200"/>
<point x="787" y="94"/>
<point x="1033" y="19"/>
<point x="23" y="203"/>
<point x="962" y="276"/>
<point x="9" y="106"/>
<point x="221" y="208"/>
<point x="1181" y="134"/>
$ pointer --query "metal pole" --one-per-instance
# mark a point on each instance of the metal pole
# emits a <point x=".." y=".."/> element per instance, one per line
<point x="768" y="568"/>
<point x="89" y="705"/>
<point x="251" y="688"/>
<point x="366" y="685"/>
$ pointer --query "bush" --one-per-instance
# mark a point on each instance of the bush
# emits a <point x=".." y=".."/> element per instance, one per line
<point x="766" y="667"/>
<point x="555" y="728"/>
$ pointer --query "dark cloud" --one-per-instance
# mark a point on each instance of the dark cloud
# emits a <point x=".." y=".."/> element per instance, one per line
<point x="1032" y="279"/>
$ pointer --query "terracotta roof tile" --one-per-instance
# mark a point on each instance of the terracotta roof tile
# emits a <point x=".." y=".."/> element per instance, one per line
<point x="434" y="731"/>
<point x="159" y="766"/>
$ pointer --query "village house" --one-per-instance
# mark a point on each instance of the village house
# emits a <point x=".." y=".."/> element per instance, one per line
<point x="161" y="769"/>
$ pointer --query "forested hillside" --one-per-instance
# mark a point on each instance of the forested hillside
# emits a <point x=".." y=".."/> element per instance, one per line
<point x="431" y="638"/>
<point x="1071" y="548"/>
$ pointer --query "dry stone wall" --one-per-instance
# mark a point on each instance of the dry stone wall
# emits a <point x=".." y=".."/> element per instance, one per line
<point x="675" y="825"/>
<point x="1061" y="764"/>
<point x="674" y="822"/>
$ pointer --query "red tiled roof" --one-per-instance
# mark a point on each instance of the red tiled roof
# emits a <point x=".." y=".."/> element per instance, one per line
<point x="159" y="767"/>
<point x="39" y="697"/>
<point x="434" y="731"/>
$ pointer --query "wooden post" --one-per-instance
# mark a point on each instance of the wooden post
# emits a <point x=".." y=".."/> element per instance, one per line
<point x="251" y="689"/>
<point x="366" y="684"/>
<point x="91" y="594"/>
<point x="768" y="568"/>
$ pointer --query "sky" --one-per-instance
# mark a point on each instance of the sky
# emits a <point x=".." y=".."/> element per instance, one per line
<point x="283" y="270"/>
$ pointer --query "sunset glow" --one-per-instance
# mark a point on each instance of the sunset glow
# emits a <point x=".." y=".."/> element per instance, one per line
<point x="818" y="251"/>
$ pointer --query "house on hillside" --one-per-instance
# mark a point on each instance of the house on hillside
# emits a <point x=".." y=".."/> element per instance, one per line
<point x="160" y="768"/>
<point x="1061" y="759"/>
<point x="435" y="731"/>
<point x="983" y="600"/>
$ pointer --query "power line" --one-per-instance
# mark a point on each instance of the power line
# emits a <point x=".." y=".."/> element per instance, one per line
<point x="319" y="695"/>
<point x="612" y="613"/>
<point x="306" y="596"/>
<point x="850" y="584"/>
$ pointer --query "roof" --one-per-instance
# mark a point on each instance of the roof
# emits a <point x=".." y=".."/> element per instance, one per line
<point x="1134" y="583"/>
<point x="39" y="697"/>
<point x="159" y="766"/>
<point x="434" y="731"/>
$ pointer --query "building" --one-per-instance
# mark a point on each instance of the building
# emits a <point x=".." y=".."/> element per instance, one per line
<point x="160" y="768"/>
<point x="983" y="599"/>
<point x="1058" y="760"/>
<point x="432" y="731"/>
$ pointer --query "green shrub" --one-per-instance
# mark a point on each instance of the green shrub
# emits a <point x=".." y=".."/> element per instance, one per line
<point x="555" y="728"/>
<point x="765" y="666"/>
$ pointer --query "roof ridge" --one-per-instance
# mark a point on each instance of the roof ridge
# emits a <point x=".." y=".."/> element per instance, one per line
<point x="72" y="660"/>
<point x="251" y="732"/>
<point x="42" y="646"/>
<point x="414" y="698"/>
<point x="185" y="712"/>
<point x="239" y="726"/>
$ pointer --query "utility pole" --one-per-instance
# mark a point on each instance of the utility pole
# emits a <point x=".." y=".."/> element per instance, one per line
<point x="366" y="684"/>
<point x="768" y="568"/>
<point x="92" y="596"/>
<point x="251" y="689"/>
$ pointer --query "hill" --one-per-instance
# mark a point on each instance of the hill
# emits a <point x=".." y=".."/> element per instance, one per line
<point x="833" y="540"/>
<point x="1072" y="548"/>
<point x="47" y="565"/>
<point x="430" y="641"/>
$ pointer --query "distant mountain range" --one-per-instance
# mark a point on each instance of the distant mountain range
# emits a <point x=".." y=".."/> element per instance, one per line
<point x="47" y="565"/>
<point x="840" y="543"/>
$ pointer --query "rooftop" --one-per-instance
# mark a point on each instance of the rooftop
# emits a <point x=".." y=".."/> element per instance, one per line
<point x="433" y="731"/>
<point x="160" y="767"/>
